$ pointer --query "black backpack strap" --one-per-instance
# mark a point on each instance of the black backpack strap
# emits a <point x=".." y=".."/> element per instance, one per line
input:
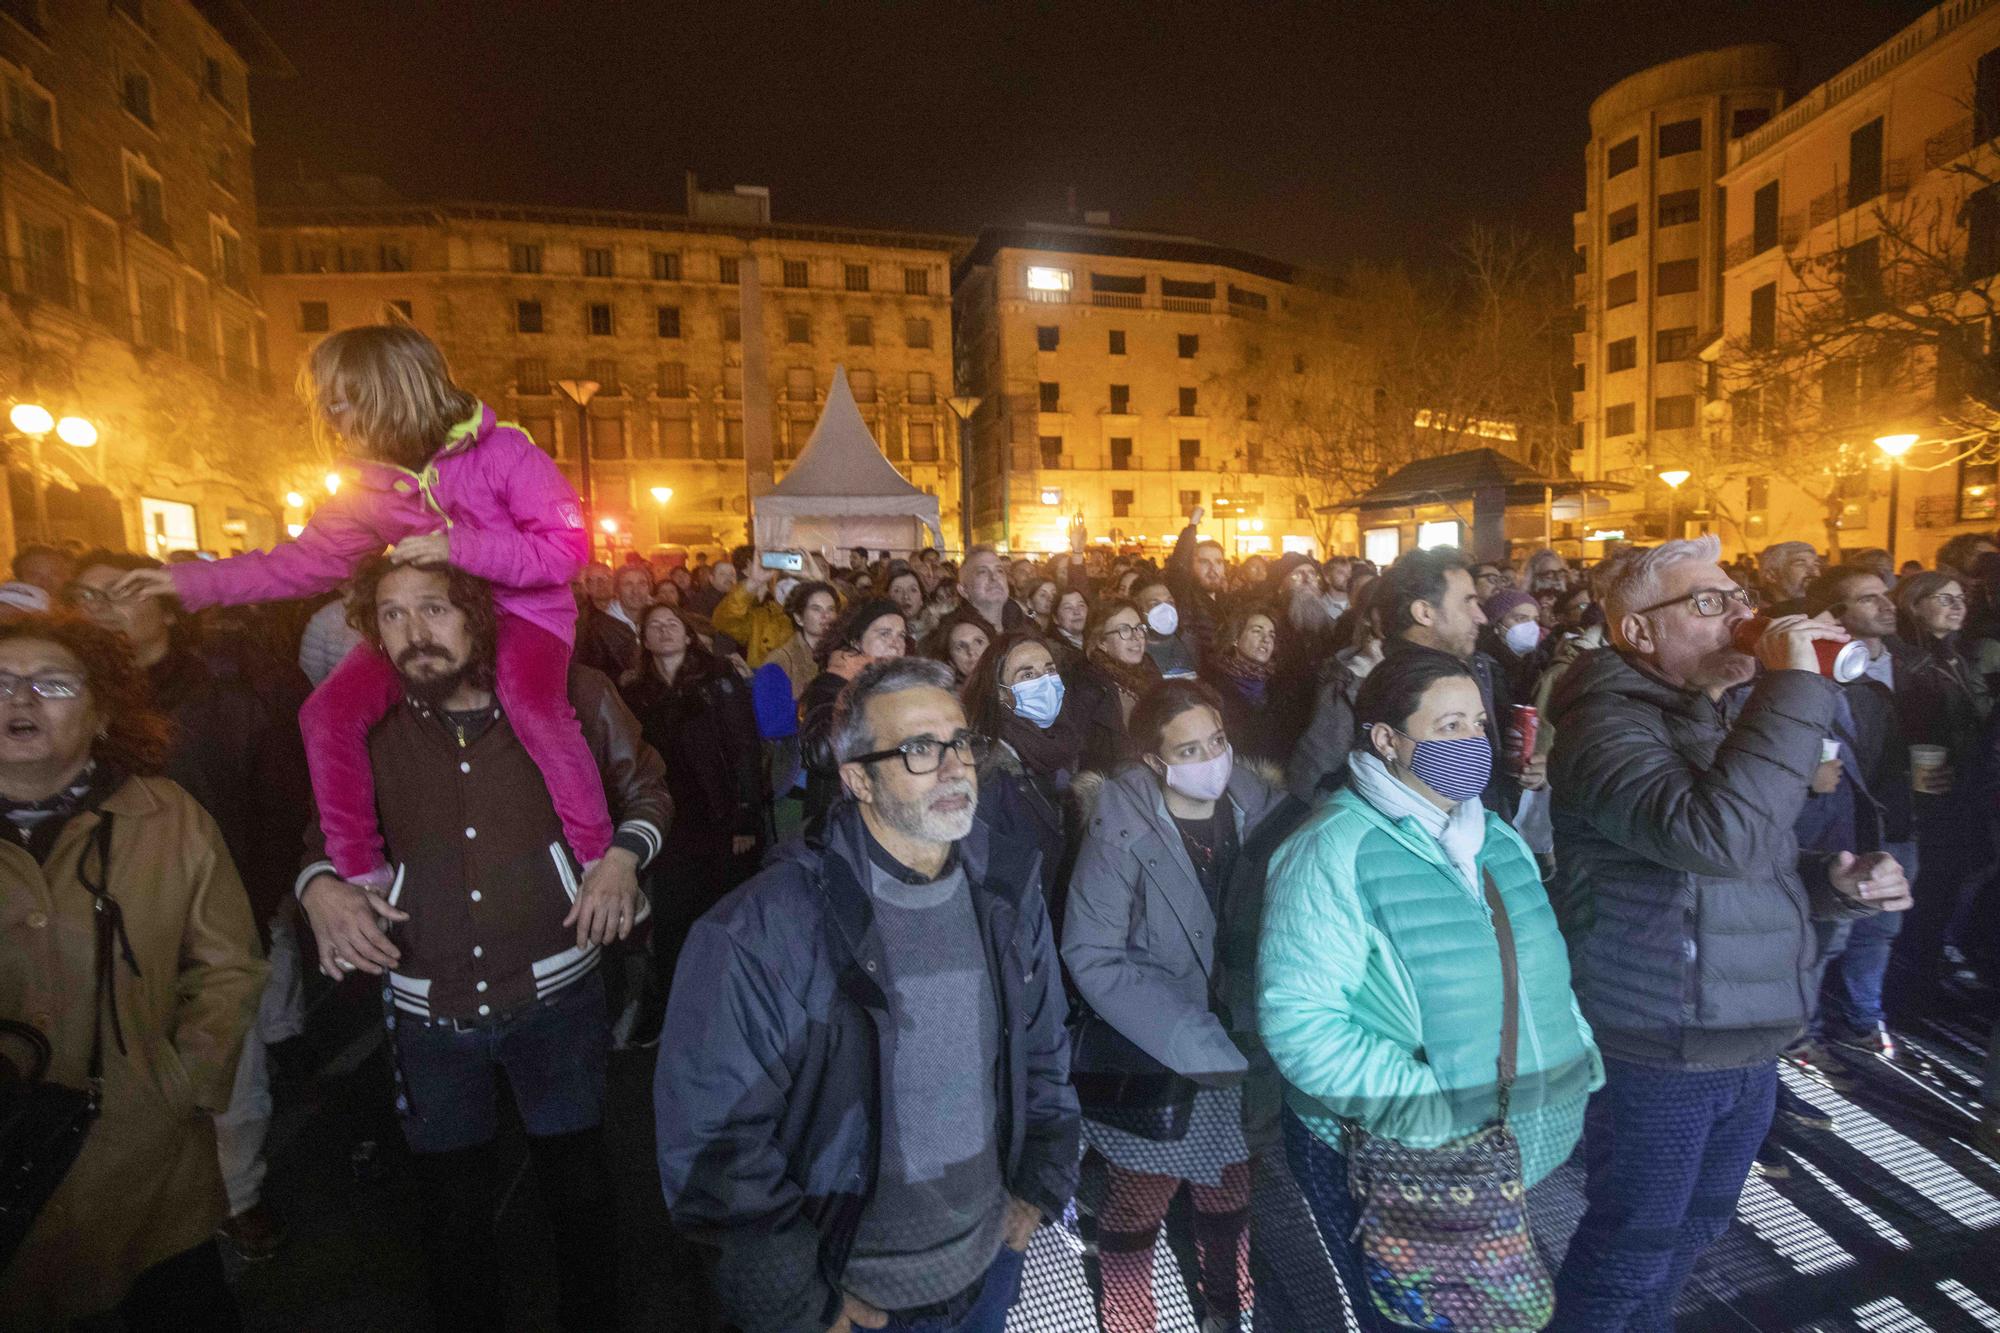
<point x="110" y="921"/>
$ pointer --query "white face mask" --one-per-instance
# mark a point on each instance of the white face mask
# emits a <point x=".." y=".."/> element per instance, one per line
<point x="1039" y="700"/>
<point x="1523" y="637"/>
<point x="1164" y="618"/>
<point x="1203" y="781"/>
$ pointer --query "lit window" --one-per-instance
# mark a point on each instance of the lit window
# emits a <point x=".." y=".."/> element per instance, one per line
<point x="1444" y="532"/>
<point x="1381" y="546"/>
<point x="1048" y="279"/>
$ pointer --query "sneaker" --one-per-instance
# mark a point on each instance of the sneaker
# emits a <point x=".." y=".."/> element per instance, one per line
<point x="255" y="1233"/>
<point x="1798" y="1111"/>
<point x="1771" y="1163"/>
<point x="1875" y="1041"/>
<point x="1815" y="1061"/>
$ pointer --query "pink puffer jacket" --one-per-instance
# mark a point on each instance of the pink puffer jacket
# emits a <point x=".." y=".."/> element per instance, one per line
<point x="512" y="517"/>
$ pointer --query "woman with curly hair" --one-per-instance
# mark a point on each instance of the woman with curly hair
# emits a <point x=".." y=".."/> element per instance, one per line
<point x="129" y="943"/>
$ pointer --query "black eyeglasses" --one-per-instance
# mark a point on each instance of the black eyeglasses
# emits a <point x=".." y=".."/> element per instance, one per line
<point x="1706" y="601"/>
<point x="923" y="754"/>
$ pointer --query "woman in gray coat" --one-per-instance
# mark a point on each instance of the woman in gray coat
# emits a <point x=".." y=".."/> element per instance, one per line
<point x="1160" y="1077"/>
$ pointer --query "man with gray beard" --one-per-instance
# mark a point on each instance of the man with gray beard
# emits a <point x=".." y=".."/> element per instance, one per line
<point x="866" y="1109"/>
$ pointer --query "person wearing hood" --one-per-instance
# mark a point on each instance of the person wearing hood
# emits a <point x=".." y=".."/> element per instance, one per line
<point x="1147" y="899"/>
<point x="1513" y="638"/>
<point x="1164" y="642"/>
<point x="1380" y="992"/>
<point x="872" y="631"/>
<point x="1689" y="910"/>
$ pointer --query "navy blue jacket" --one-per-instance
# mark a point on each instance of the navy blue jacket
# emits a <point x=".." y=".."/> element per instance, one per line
<point x="768" y="1097"/>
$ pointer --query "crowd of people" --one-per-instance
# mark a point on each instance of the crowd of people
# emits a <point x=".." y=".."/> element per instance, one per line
<point x="960" y="897"/>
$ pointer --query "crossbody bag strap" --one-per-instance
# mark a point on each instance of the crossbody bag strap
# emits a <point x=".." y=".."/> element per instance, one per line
<point x="110" y="923"/>
<point x="1510" y="985"/>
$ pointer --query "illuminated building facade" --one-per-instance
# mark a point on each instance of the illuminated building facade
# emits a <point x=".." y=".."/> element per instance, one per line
<point x="127" y="203"/>
<point x="652" y="308"/>
<point x="1123" y="376"/>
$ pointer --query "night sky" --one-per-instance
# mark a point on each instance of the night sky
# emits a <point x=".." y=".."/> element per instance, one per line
<point x="1316" y="133"/>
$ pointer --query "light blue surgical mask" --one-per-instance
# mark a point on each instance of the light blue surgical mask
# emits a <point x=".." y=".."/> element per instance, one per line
<point x="1039" y="700"/>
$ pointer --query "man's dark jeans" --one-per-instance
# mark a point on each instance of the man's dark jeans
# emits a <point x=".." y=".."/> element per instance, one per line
<point x="988" y="1312"/>
<point x="554" y="1055"/>
<point x="1666" y="1152"/>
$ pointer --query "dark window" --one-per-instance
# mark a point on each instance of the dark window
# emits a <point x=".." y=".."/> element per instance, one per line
<point x="1048" y="337"/>
<point x="1298" y="363"/>
<point x="1864" y="163"/>
<point x="1190" y="501"/>
<point x="728" y="269"/>
<point x="527" y="316"/>
<point x="139" y="97"/>
<point x="1861" y="276"/>
<point x="1187" y="406"/>
<point x="1248" y="299"/>
<point x="1579" y="377"/>
<point x="860" y="331"/>
<point x="1747" y="118"/>
<point x="923" y="442"/>
<point x="856" y="277"/>
<point x="1621" y="157"/>
<point x="1764" y="218"/>
<point x="1622" y="225"/>
<point x="1117" y="342"/>
<point x="1678" y="275"/>
<point x="1675" y="413"/>
<point x="732" y="326"/>
<point x="1986" y="97"/>
<point x="1680" y="136"/>
<point x="1674" y="344"/>
<point x="1982" y="233"/>
<point x="1187" y="291"/>
<point x="597" y="319"/>
<point x="313" y="317"/>
<point x="1118" y="284"/>
<point x="673" y="379"/>
<point x="666" y="266"/>
<point x="917" y="333"/>
<point x="1189" y="344"/>
<point x="1121" y="454"/>
<point x="393" y="257"/>
<point x="1756" y="493"/>
<point x="607" y="377"/>
<point x="1618" y="420"/>
<point x="795" y="273"/>
<point x="1957" y="358"/>
<point x="1582" y="259"/>
<point x="1051" y="450"/>
<point x="1190" y="454"/>
<point x="916" y="282"/>
<point x="1978" y="492"/>
<point x="669" y="321"/>
<point x="1623" y="354"/>
<point x="1251" y="405"/>
<point x="1121" y="399"/>
<point x="1680" y="206"/>
<point x="1621" y="290"/>
<point x="1121" y="501"/>
<point x="798" y="327"/>
<point x="531" y="375"/>
<point x="597" y="262"/>
<point x="525" y="258"/>
<point x="1764" y="316"/>
<point x="1051" y="396"/>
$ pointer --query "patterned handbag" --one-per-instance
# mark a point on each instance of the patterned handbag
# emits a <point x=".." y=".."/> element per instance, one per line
<point x="1443" y="1232"/>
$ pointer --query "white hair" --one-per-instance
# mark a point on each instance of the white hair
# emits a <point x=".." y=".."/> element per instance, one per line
<point x="1636" y="577"/>
<point x="1768" y="558"/>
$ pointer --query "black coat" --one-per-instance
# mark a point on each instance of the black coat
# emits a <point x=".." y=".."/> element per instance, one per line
<point x="769" y="1103"/>
<point x="704" y="728"/>
<point x="607" y="644"/>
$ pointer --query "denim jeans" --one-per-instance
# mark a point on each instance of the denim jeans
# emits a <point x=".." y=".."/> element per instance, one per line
<point x="997" y="1293"/>
<point x="1666" y="1152"/>
<point x="554" y="1054"/>
<point x="1851" y="995"/>
<point x="1321" y="1173"/>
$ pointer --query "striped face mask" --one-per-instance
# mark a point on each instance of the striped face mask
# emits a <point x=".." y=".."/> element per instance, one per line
<point x="1455" y="769"/>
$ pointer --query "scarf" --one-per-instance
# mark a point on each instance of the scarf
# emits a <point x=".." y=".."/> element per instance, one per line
<point x="1133" y="680"/>
<point x="1248" y="678"/>
<point x="1054" y="754"/>
<point x="1461" y="833"/>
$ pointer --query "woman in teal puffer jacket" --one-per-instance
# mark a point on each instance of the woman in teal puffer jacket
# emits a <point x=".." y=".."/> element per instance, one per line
<point x="1378" y="968"/>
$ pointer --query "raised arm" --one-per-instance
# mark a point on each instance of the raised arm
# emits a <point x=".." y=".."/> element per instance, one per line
<point x="335" y="540"/>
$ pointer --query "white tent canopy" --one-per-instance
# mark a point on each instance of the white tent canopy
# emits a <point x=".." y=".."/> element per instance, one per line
<point x="842" y="493"/>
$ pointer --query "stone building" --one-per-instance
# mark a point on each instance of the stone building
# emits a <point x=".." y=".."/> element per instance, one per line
<point x="1649" y="269"/>
<point x="127" y="205"/>
<point x="1863" y="231"/>
<point x="659" y="311"/>
<point x="1125" y="378"/>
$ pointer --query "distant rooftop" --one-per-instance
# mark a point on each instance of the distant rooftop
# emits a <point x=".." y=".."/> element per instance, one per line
<point x="1074" y="238"/>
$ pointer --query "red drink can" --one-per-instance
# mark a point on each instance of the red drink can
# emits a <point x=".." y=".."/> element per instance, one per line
<point x="1524" y="722"/>
<point x="1840" y="662"/>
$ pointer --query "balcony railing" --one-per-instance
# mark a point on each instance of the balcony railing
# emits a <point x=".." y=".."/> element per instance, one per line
<point x="1185" y="305"/>
<point x="1046" y="296"/>
<point x="1118" y="300"/>
<point x="1949" y="144"/>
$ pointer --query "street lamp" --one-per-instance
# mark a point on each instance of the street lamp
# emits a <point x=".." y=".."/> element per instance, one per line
<point x="76" y="432"/>
<point x="581" y="392"/>
<point x="662" y="494"/>
<point x="1895" y="446"/>
<point x="963" y="406"/>
<point x="1675" y="479"/>
<point x="35" y="422"/>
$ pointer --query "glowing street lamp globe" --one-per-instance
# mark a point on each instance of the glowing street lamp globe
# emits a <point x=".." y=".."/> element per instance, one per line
<point x="662" y="494"/>
<point x="610" y="525"/>
<point x="1676" y="477"/>
<point x="333" y="483"/>
<point x="295" y="500"/>
<point x="31" y="419"/>
<point x="76" y="432"/>
<point x="1896" y="445"/>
